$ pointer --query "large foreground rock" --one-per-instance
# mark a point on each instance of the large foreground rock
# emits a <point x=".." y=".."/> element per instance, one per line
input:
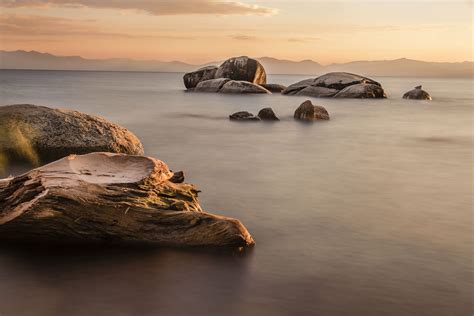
<point x="191" y="79"/>
<point x="242" y="68"/>
<point x="417" y="94"/>
<point x="309" y="112"/>
<point x="337" y="84"/>
<point x="37" y="134"/>
<point x="104" y="197"/>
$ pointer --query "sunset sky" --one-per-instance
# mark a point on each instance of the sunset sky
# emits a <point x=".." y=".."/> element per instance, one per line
<point x="198" y="31"/>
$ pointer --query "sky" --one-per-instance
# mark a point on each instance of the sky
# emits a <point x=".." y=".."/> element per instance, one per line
<point x="199" y="31"/>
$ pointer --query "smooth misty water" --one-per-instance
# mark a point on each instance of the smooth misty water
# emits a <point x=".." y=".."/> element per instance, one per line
<point x="369" y="213"/>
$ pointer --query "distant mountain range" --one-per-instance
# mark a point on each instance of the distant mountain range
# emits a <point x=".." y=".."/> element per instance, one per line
<point x="399" y="67"/>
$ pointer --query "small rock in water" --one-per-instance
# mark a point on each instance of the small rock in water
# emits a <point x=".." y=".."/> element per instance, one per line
<point x="309" y="112"/>
<point x="178" y="177"/>
<point x="267" y="114"/>
<point x="417" y="94"/>
<point x="243" y="116"/>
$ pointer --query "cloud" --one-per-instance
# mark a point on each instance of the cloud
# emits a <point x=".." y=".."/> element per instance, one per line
<point x="303" y="39"/>
<point x="241" y="37"/>
<point x="162" y="7"/>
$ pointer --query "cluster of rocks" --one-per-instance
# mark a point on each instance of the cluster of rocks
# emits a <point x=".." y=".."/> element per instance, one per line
<point x="305" y="112"/>
<point x="115" y="196"/>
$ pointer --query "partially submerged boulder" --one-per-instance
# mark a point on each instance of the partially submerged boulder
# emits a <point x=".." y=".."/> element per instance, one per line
<point x="274" y="87"/>
<point x="417" y="94"/>
<point x="334" y="83"/>
<point x="242" y="87"/>
<point x="309" y="112"/>
<point x="37" y="134"/>
<point x="243" y="116"/>
<point x="104" y="197"/>
<point x="213" y="85"/>
<point x="267" y="114"/>
<point x="191" y="79"/>
<point x="242" y="68"/>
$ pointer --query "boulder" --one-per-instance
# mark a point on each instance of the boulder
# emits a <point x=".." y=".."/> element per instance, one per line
<point x="37" y="134"/>
<point x="332" y="84"/>
<point x="213" y="85"/>
<point x="274" y="87"/>
<point x="191" y="79"/>
<point x="417" y="94"/>
<point x="362" y="91"/>
<point x="110" y="198"/>
<point x="243" y="116"/>
<point x="309" y="112"/>
<point x="242" y="68"/>
<point x="242" y="87"/>
<point x="267" y="114"/>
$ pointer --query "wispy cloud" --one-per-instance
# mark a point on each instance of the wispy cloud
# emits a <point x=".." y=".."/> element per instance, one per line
<point x="303" y="39"/>
<point x="162" y="7"/>
<point x="241" y="37"/>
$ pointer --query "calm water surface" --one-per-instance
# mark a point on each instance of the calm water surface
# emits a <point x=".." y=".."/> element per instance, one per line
<point x="369" y="213"/>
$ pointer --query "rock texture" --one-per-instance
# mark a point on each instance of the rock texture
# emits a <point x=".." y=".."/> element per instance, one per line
<point x="191" y="79"/>
<point x="309" y="112"/>
<point x="213" y="85"/>
<point x="242" y="87"/>
<point x="242" y="68"/>
<point x="37" y="134"/>
<point x="274" y="87"/>
<point x="104" y="197"/>
<point x="243" y="116"/>
<point x="418" y="94"/>
<point x="267" y="114"/>
<point x="337" y="84"/>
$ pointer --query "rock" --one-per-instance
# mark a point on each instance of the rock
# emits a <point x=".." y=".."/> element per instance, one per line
<point x="362" y="91"/>
<point x="318" y="92"/>
<point x="418" y="94"/>
<point x="213" y="85"/>
<point x="242" y="68"/>
<point x="309" y="112"/>
<point x="273" y="87"/>
<point x="191" y="79"/>
<point x="267" y="114"/>
<point x="178" y="177"/>
<point x="110" y="198"/>
<point x="242" y="87"/>
<point x="37" y="134"/>
<point x="243" y="116"/>
<point x="332" y="84"/>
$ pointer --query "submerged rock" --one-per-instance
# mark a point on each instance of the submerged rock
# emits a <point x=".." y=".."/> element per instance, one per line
<point x="274" y="87"/>
<point x="37" y="134"/>
<point x="191" y="79"/>
<point x="104" y="197"/>
<point x="334" y="83"/>
<point x="418" y="94"/>
<point x="309" y="112"/>
<point x="242" y="87"/>
<point x="243" y="116"/>
<point x="213" y="85"/>
<point x="242" y="68"/>
<point x="267" y="114"/>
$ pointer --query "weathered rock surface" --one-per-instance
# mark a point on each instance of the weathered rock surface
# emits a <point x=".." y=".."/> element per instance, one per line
<point x="191" y="79"/>
<point x="242" y="87"/>
<point x="267" y="114"/>
<point x="242" y="68"/>
<point x="104" y="197"/>
<point x="274" y="87"/>
<point x="213" y="85"/>
<point x="309" y="112"/>
<point x="362" y="91"/>
<point x="332" y="84"/>
<point x="418" y="94"/>
<point x="243" y="116"/>
<point x="37" y="134"/>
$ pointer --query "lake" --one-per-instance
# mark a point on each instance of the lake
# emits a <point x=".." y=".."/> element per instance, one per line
<point x="369" y="213"/>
